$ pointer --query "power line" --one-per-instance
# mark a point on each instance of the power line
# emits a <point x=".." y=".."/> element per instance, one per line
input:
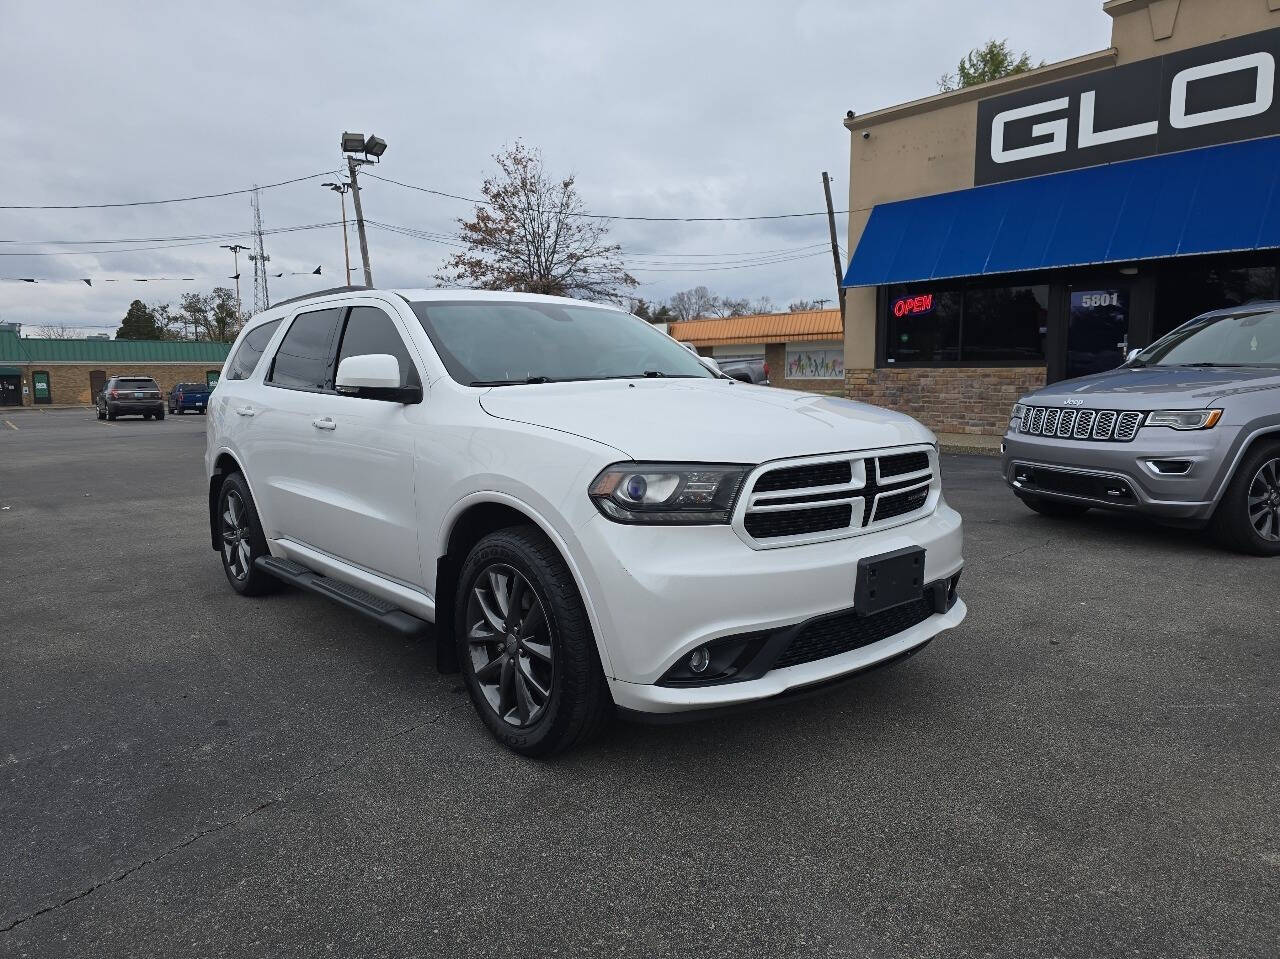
<point x="612" y="216"/>
<point x="180" y="199"/>
<point x="207" y="240"/>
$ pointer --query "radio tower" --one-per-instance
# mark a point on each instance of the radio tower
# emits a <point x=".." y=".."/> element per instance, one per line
<point x="259" y="258"/>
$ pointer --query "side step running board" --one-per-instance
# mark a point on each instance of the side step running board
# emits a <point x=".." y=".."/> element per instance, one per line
<point x="352" y="597"/>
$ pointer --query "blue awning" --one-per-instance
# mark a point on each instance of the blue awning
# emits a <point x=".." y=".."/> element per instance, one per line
<point x="1211" y="200"/>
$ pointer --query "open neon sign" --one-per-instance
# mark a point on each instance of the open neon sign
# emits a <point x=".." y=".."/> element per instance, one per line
<point x="912" y="305"/>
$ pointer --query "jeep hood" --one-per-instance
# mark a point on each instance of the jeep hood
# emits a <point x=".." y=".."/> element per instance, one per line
<point x="1148" y="387"/>
<point x="703" y="420"/>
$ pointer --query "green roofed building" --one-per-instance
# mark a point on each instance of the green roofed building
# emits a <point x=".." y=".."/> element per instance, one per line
<point x="35" y="371"/>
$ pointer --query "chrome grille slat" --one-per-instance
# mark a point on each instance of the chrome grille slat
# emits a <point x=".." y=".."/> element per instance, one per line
<point x="1118" y="426"/>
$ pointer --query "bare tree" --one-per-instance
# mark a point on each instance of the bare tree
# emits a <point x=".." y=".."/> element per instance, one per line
<point x="693" y="304"/>
<point x="56" y="332"/>
<point x="532" y="235"/>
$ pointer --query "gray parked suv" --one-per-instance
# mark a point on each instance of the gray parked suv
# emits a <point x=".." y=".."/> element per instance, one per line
<point x="1188" y="430"/>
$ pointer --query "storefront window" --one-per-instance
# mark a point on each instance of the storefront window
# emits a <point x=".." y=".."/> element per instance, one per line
<point x="977" y="325"/>
<point x="1186" y="290"/>
<point x="924" y="325"/>
<point x="1005" y="323"/>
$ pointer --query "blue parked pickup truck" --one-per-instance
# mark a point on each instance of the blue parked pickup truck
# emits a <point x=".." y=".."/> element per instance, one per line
<point x="184" y="397"/>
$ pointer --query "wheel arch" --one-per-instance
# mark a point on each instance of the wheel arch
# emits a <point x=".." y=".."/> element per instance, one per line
<point x="223" y="466"/>
<point x="1260" y="434"/>
<point x="470" y="520"/>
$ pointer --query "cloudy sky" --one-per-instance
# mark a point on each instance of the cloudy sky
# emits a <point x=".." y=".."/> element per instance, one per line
<point x="660" y="109"/>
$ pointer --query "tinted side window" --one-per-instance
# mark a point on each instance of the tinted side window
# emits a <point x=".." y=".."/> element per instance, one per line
<point x="246" y="359"/>
<point x="369" y="330"/>
<point x="303" y="358"/>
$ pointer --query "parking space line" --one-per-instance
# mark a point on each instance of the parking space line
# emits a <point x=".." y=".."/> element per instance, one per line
<point x="9" y="423"/>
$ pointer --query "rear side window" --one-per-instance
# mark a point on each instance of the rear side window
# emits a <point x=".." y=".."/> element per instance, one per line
<point x="302" y="362"/>
<point x="369" y="330"/>
<point x="246" y="358"/>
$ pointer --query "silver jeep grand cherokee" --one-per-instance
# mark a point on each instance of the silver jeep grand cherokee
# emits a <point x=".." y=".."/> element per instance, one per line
<point x="1187" y="430"/>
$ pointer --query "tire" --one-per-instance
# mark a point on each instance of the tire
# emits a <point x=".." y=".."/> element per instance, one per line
<point x="1058" y="509"/>
<point x="146" y="416"/>
<point x="159" y="414"/>
<point x="101" y="414"/>
<point x="1248" y="517"/>
<point x="111" y="414"/>
<point x="544" y="676"/>
<point x="243" y="540"/>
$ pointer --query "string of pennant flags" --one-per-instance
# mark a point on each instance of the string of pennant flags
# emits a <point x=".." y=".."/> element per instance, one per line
<point x="89" y="281"/>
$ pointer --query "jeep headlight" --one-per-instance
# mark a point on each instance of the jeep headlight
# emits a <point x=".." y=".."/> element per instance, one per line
<point x="1184" y="419"/>
<point x="668" y="493"/>
<point x="1015" y="418"/>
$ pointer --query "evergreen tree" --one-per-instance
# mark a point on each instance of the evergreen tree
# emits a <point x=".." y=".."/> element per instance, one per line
<point x="139" y="324"/>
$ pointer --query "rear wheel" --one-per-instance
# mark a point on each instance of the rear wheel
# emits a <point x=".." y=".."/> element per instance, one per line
<point x="1248" y="518"/>
<point x="1054" y="507"/>
<point x="146" y="416"/>
<point x="111" y="414"/>
<point x="526" y="647"/>
<point x="242" y="539"/>
<point x="159" y="414"/>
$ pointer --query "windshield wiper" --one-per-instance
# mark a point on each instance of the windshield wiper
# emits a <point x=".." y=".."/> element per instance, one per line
<point x="531" y="379"/>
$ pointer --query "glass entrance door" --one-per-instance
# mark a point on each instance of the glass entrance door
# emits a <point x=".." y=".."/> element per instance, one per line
<point x="10" y="390"/>
<point x="1097" y="329"/>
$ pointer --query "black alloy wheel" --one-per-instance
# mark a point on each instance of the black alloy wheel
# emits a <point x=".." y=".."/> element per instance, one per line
<point x="525" y="645"/>
<point x="509" y="645"/>
<point x="241" y="540"/>
<point x="1264" y="501"/>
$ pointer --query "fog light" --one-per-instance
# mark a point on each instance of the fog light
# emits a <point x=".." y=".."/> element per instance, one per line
<point x="700" y="659"/>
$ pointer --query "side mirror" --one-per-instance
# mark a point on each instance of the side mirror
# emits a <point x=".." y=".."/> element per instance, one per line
<point x="375" y="376"/>
<point x="1132" y="353"/>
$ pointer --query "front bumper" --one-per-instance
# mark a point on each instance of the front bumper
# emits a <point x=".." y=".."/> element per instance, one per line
<point x="658" y="593"/>
<point x="1122" y="476"/>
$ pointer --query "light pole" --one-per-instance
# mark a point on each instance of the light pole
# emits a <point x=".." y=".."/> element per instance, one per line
<point x="371" y="149"/>
<point x="341" y="189"/>
<point x="235" y="249"/>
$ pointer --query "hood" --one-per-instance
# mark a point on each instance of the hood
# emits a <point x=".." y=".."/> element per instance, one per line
<point x="704" y="420"/>
<point x="1149" y="387"/>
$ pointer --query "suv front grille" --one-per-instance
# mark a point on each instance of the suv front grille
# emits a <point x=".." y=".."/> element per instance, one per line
<point x="1118" y="426"/>
<point x="789" y="504"/>
<point x="846" y="631"/>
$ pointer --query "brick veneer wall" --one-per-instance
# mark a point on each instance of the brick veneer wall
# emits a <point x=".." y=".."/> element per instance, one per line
<point x="948" y="399"/>
<point x="69" y="382"/>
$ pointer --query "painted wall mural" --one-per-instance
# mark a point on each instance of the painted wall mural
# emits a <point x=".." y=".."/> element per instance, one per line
<point x="805" y="364"/>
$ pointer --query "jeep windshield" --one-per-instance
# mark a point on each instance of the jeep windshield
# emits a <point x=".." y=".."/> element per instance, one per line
<point x="508" y="342"/>
<point x="1238" y="339"/>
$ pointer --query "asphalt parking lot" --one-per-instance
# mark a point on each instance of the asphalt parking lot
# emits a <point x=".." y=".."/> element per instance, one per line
<point x="1086" y="767"/>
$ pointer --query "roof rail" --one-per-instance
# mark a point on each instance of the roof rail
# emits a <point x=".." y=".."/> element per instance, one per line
<point x="308" y="296"/>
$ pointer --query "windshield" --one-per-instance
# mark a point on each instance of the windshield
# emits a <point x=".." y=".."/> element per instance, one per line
<point x="1241" y="339"/>
<point x="496" y="343"/>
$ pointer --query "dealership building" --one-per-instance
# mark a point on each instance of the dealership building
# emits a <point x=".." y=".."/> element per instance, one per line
<point x="35" y="371"/>
<point x="1035" y="228"/>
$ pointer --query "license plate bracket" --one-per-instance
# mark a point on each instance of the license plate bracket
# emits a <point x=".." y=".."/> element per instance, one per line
<point x="888" y="580"/>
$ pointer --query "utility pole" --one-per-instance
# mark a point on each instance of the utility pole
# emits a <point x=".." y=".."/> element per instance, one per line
<point x="370" y="150"/>
<point x="835" y="246"/>
<point x="341" y="189"/>
<point x="236" y="249"/>
<point x="353" y="167"/>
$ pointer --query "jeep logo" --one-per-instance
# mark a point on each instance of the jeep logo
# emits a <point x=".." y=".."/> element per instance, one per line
<point x="1073" y="401"/>
<point x="1212" y="94"/>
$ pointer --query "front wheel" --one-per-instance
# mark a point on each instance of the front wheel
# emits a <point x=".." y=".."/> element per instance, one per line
<point x="1056" y="508"/>
<point x="242" y="539"/>
<point x="99" y="411"/>
<point x="527" y="651"/>
<point x="1248" y="518"/>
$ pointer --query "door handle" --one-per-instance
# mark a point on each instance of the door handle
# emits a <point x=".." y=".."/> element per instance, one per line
<point x="324" y="424"/>
<point x="245" y="410"/>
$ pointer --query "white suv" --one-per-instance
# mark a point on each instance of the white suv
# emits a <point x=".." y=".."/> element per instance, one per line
<point x="592" y="519"/>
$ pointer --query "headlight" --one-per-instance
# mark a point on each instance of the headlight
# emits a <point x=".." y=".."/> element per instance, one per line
<point x="1184" y="419"/>
<point x="1015" y="418"/>
<point x="668" y="493"/>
